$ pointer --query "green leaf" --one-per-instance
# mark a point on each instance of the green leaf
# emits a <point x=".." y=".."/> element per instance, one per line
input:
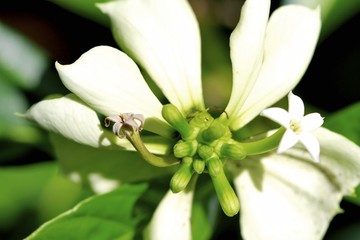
<point x="21" y="188"/>
<point x="21" y="62"/>
<point x="351" y="231"/>
<point x="200" y="225"/>
<point x="85" y="8"/>
<point x="346" y="122"/>
<point x="107" y="216"/>
<point x="100" y="168"/>
<point x="12" y="127"/>
<point x="334" y="13"/>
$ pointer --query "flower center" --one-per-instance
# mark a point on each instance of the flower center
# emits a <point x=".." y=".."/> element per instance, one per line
<point x="295" y="125"/>
<point x="204" y="145"/>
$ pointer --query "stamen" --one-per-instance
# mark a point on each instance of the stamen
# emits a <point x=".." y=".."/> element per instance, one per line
<point x="295" y="125"/>
<point x="125" y="123"/>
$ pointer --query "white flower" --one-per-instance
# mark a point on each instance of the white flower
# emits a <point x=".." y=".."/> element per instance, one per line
<point x="298" y="127"/>
<point x="171" y="219"/>
<point x="269" y="57"/>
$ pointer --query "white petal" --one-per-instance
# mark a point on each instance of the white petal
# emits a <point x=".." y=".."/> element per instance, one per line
<point x="287" y="141"/>
<point x="110" y="82"/>
<point x="312" y="121"/>
<point x="291" y="38"/>
<point x="73" y="119"/>
<point x="101" y="184"/>
<point x="163" y="37"/>
<point x="312" y="145"/>
<point x="296" y="106"/>
<point x="70" y="117"/>
<point x="171" y="219"/>
<point x="288" y="196"/>
<point x="246" y="45"/>
<point x="278" y="115"/>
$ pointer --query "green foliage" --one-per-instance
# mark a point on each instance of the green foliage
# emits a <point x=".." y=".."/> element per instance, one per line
<point x="346" y="122"/>
<point x="351" y="231"/>
<point x="20" y="189"/>
<point x="112" y="166"/>
<point x="32" y="194"/>
<point x="21" y="62"/>
<point x="108" y="216"/>
<point x="13" y="127"/>
<point x="334" y="13"/>
<point x="85" y="8"/>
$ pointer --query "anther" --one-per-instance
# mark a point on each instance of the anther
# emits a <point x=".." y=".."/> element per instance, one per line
<point x="125" y="123"/>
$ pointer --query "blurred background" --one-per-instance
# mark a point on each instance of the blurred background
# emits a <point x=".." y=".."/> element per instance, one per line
<point x="34" y="34"/>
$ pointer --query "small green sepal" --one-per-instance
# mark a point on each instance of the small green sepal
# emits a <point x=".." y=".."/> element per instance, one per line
<point x="182" y="176"/>
<point x="233" y="151"/>
<point x="215" y="131"/>
<point x="228" y="200"/>
<point x="185" y="149"/>
<point x="174" y="117"/>
<point x="205" y="152"/>
<point x="214" y="166"/>
<point x="199" y="166"/>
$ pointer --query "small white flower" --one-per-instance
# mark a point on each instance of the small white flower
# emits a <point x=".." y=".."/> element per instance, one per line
<point x="298" y="127"/>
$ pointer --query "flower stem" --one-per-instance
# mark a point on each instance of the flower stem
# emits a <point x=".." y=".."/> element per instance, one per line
<point x="264" y="145"/>
<point x="134" y="138"/>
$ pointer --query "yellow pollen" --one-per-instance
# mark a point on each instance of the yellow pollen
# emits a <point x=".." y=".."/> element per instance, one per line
<point x="295" y="125"/>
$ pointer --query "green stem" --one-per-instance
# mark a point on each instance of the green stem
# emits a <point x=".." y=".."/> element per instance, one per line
<point x="135" y="140"/>
<point x="264" y="145"/>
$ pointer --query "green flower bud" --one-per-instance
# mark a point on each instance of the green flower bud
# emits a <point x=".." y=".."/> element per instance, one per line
<point x="174" y="117"/>
<point x="205" y="152"/>
<point x="233" y="151"/>
<point x="185" y="149"/>
<point x="201" y="120"/>
<point x="226" y="195"/>
<point x="182" y="176"/>
<point x="199" y="165"/>
<point x="214" y="166"/>
<point x="215" y="131"/>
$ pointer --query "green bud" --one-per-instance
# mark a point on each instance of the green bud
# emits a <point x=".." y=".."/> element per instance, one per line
<point x="226" y="195"/>
<point x="199" y="165"/>
<point x="233" y="151"/>
<point x="185" y="149"/>
<point x="205" y="152"/>
<point x="214" y="166"/>
<point x="174" y="117"/>
<point x="201" y="120"/>
<point x="215" y="131"/>
<point x="182" y="176"/>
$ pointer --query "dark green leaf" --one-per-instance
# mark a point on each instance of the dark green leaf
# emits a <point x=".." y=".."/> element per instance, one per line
<point x="21" y="188"/>
<point x="85" y="8"/>
<point x="13" y="127"/>
<point x="103" y="169"/>
<point x="346" y="122"/>
<point x="107" y="216"/>
<point x="21" y="62"/>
